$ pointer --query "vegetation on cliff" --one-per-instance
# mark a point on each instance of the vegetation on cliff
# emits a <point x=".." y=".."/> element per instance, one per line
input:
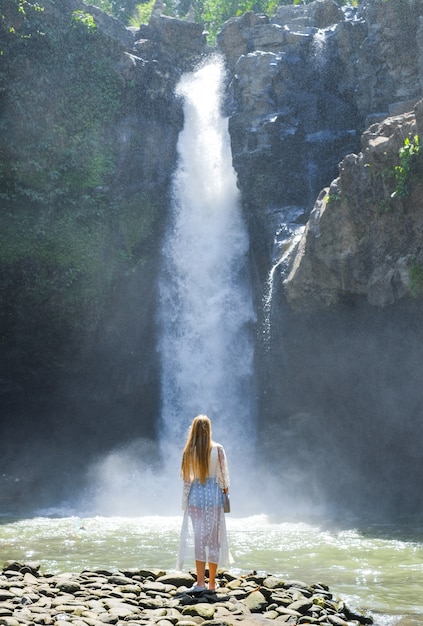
<point x="212" y="13"/>
<point x="69" y="231"/>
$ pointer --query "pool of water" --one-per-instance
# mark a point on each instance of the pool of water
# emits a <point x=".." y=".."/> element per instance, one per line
<point x="378" y="568"/>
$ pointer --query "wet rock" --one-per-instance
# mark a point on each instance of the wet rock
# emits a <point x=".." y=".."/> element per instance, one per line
<point x="141" y="598"/>
<point x="273" y="582"/>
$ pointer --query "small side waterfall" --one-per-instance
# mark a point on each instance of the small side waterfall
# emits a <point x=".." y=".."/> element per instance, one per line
<point x="206" y="311"/>
<point x="286" y="240"/>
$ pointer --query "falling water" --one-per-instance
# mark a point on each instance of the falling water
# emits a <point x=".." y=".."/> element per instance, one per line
<point x="285" y="243"/>
<point x="206" y="312"/>
<point x="319" y="45"/>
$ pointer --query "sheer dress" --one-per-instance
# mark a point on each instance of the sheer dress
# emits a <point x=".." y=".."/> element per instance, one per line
<point x="203" y="525"/>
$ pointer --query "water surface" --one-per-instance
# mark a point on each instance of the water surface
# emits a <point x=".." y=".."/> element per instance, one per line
<point x="376" y="567"/>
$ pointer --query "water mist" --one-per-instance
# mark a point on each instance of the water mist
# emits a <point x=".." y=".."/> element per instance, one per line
<point x="206" y="311"/>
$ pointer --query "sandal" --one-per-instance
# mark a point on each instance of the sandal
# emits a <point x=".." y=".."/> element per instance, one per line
<point x="196" y="589"/>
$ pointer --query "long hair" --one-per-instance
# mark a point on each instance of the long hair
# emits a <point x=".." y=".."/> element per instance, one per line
<point x="196" y="454"/>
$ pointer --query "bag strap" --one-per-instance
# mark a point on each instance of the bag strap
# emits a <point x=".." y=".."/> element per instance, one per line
<point x="219" y="454"/>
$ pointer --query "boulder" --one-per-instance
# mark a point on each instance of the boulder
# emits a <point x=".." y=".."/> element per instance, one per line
<point x="256" y="602"/>
<point x="176" y="43"/>
<point x="318" y="14"/>
<point x="363" y="236"/>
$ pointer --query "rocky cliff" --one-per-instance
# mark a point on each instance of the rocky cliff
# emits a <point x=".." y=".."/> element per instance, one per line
<point x="87" y="149"/>
<point x="313" y="87"/>
<point x="364" y="234"/>
<point x="305" y="84"/>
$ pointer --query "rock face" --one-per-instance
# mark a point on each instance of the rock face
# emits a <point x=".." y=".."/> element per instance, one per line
<point x="305" y="84"/>
<point x="88" y="145"/>
<point x="177" y="43"/>
<point x="312" y="87"/>
<point x="89" y="131"/>
<point x="348" y="246"/>
<point x="289" y="130"/>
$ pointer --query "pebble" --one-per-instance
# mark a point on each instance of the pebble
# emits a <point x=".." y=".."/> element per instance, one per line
<point x="154" y="598"/>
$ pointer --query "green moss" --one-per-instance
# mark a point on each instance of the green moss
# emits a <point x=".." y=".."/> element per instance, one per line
<point x="60" y="110"/>
<point x="66" y="239"/>
<point x="383" y="205"/>
<point x="415" y="276"/>
<point x="57" y="263"/>
<point x="63" y="265"/>
<point x="137" y="218"/>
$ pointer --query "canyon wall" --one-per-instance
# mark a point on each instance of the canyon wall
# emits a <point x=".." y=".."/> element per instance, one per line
<point x="320" y="101"/>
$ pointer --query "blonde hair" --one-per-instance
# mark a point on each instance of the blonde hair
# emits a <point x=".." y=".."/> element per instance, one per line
<point x="196" y="454"/>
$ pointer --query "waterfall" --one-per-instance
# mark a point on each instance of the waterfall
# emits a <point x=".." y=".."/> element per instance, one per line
<point x="285" y="243"/>
<point x="318" y="47"/>
<point x="206" y="310"/>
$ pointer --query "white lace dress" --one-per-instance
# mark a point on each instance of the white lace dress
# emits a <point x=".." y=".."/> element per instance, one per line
<point x="204" y="528"/>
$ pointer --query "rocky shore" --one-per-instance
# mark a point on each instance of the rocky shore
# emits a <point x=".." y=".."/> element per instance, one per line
<point x="137" y="597"/>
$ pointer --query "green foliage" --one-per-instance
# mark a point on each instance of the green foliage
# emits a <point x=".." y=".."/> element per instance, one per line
<point x="410" y="162"/>
<point x="122" y="9"/>
<point x="340" y="2"/>
<point x="142" y="13"/>
<point x="212" y="13"/>
<point x="333" y="198"/>
<point x="65" y="116"/>
<point x="79" y="18"/>
<point x="59" y="234"/>
<point x="216" y="12"/>
<point x="415" y="277"/>
<point x="14" y="19"/>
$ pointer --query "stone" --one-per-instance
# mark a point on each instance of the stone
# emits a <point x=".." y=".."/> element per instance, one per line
<point x="29" y="578"/>
<point x="6" y="595"/>
<point x="177" y="580"/>
<point x="336" y="620"/>
<point x="256" y="602"/>
<point x="150" y="603"/>
<point x="234" y="584"/>
<point x="302" y="606"/>
<point x="182" y="41"/>
<point x="205" y="611"/>
<point x="119" y="580"/>
<point x="12" y="566"/>
<point x="121" y="611"/>
<point x="345" y="250"/>
<point x="273" y="582"/>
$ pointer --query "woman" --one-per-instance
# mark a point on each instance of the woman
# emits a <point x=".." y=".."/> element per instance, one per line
<point x="205" y="474"/>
